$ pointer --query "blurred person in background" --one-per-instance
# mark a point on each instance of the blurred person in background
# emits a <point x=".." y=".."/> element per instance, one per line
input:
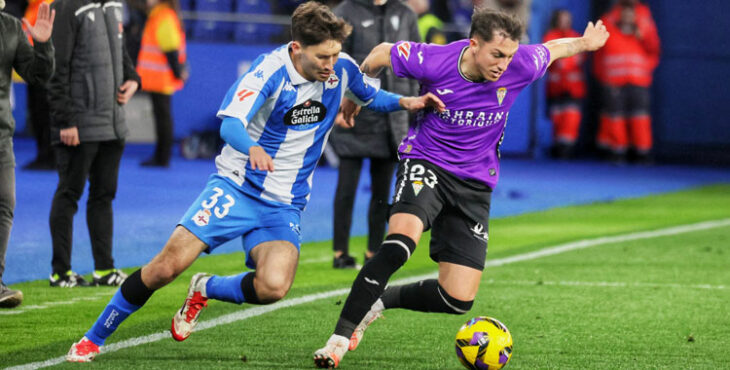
<point x="565" y="88"/>
<point x="39" y="116"/>
<point x="624" y="68"/>
<point x="376" y="135"/>
<point x="430" y="27"/>
<point x="161" y="65"/>
<point x="35" y="65"/>
<point x="94" y="78"/>
<point x="134" y="21"/>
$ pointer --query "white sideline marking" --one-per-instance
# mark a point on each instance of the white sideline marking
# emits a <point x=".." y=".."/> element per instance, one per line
<point x="315" y="260"/>
<point x="260" y="310"/>
<point x="608" y="284"/>
<point x="45" y="305"/>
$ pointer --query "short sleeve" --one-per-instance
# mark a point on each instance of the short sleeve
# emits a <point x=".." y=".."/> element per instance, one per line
<point x="406" y="58"/>
<point x="539" y="56"/>
<point x="249" y="92"/>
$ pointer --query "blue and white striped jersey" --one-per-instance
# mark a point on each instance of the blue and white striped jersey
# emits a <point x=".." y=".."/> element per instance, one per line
<point x="290" y="118"/>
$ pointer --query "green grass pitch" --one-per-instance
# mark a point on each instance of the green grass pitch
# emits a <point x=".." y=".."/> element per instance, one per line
<point x="654" y="302"/>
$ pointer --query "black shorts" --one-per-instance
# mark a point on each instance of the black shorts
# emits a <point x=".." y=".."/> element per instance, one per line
<point x="456" y="211"/>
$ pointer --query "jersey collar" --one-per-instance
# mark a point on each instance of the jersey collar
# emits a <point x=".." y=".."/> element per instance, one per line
<point x="296" y="78"/>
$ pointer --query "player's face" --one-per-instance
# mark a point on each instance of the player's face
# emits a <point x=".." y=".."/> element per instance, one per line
<point x="316" y="62"/>
<point x="493" y="57"/>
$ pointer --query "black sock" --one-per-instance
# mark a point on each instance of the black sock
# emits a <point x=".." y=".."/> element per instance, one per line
<point x="424" y="296"/>
<point x="249" y="293"/>
<point x="134" y="290"/>
<point x="372" y="279"/>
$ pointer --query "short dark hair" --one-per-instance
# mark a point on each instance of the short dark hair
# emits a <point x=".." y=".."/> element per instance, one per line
<point x="485" y="21"/>
<point x="313" y="23"/>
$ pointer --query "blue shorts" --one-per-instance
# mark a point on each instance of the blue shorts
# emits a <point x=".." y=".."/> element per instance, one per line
<point x="223" y="212"/>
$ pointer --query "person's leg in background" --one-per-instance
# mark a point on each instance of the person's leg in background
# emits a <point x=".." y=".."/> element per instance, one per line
<point x="39" y="120"/>
<point x="162" y="110"/>
<point x="555" y="107"/>
<point x="348" y="177"/>
<point x="9" y="298"/>
<point x="613" y="134"/>
<point x="73" y="164"/>
<point x="103" y="177"/>
<point x="566" y="133"/>
<point x="639" y="114"/>
<point x="381" y="176"/>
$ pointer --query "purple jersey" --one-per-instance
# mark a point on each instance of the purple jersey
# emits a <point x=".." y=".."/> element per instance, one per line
<point x="464" y="139"/>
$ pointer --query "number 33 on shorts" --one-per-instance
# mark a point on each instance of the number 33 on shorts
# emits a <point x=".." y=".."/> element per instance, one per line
<point x="220" y="207"/>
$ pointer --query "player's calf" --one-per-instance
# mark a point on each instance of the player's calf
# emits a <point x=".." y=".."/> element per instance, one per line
<point x="372" y="279"/>
<point x="130" y="297"/>
<point x="424" y="296"/>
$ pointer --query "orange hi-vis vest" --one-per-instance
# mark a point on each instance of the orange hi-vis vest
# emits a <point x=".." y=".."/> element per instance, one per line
<point x="152" y="64"/>
<point x="565" y="75"/>
<point x="627" y="59"/>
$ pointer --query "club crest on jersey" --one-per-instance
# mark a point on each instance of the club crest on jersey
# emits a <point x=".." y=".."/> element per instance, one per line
<point x="305" y="115"/>
<point x="417" y="186"/>
<point x="202" y="217"/>
<point x="501" y="93"/>
<point x="332" y="82"/>
<point x="404" y="50"/>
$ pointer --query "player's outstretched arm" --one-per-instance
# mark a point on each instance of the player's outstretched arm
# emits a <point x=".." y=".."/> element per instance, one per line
<point x="414" y="103"/>
<point x="378" y="59"/>
<point x="594" y="37"/>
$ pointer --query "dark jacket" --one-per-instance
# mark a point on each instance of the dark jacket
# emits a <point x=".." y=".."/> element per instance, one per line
<point x="34" y="64"/>
<point x="376" y="135"/>
<point x="91" y="65"/>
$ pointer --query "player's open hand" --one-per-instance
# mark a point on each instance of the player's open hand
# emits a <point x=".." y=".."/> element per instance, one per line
<point x="348" y="110"/>
<point x="259" y="160"/>
<point x="595" y="36"/>
<point x="126" y="91"/>
<point x="414" y="103"/>
<point x="43" y="27"/>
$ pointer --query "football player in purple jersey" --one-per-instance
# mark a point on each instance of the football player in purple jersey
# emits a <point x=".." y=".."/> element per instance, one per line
<point x="449" y="165"/>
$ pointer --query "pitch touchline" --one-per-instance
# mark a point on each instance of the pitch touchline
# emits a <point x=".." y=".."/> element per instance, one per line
<point x="45" y="305"/>
<point x="260" y="310"/>
<point x="608" y="284"/>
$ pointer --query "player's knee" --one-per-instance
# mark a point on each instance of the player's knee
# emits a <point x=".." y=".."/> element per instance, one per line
<point x="160" y="274"/>
<point x="396" y="249"/>
<point x="452" y="305"/>
<point x="272" y="289"/>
